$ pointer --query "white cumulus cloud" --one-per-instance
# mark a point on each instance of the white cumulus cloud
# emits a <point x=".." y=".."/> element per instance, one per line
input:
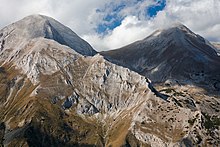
<point x="84" y="16"/>
<point x="202" y="17"/>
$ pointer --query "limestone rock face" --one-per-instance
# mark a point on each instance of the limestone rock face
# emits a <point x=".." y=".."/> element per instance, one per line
<point x="51" y="94"/>
<point x="35" y="26"/>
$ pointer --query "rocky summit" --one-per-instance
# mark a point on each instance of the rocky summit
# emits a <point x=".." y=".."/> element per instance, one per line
<point x="56" y="90"/>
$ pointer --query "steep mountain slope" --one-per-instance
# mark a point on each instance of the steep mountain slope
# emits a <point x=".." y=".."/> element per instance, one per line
<point x="51" y="95"/>
<point x="35" y="26"/>
<point x="172" y="54"/>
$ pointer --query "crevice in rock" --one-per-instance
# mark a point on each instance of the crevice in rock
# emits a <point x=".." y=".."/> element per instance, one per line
<point x="157" y="93"/>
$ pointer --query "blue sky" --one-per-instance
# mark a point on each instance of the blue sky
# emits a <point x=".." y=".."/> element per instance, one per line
<point x="110" y="24"/>
<point x="114" y="19"/>
<point x="152" y="10"/>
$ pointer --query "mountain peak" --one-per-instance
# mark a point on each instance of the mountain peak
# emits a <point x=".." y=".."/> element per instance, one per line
<point x="178" y="25"/>
<point x="39" y="19"/>
<point x="173" y="50"/>
<point x="36" y="25"/>
<point x="182" y="28"/>
<point x="36" y="16"/>
<point x="176" y="32"/>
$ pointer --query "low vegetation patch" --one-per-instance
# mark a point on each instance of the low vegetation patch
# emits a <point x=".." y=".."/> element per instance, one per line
<point x="168" y="90"/>
<point x="211" y="122"/>
<point x="192" y="121"/>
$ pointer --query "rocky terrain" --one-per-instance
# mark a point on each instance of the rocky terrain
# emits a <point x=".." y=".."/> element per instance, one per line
<point x="57" y="91"/>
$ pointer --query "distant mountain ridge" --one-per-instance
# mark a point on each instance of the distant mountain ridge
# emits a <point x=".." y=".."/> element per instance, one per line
<point x="172" y="54"/>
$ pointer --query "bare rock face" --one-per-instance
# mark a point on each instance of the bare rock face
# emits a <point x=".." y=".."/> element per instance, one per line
<point x="53" y="95"/>
<point x="35" y="26"/>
